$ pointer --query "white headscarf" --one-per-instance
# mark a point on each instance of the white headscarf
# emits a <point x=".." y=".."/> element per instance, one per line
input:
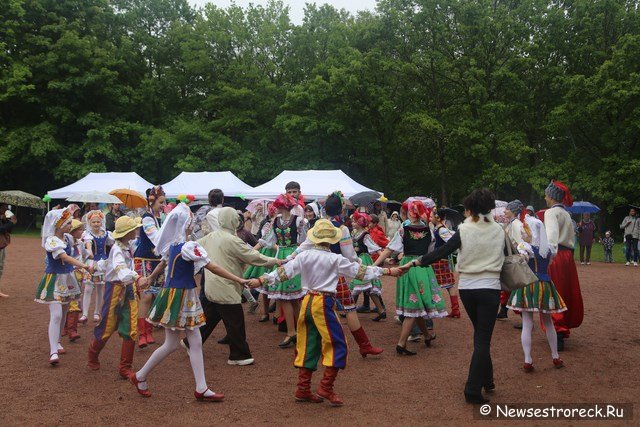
<point x="174" y="229"/>
<point x="50" y="220"/>
<point x="314" y="206"/>
<point x="538" y="235"/>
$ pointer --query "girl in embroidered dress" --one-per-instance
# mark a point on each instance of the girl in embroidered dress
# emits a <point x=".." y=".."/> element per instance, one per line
<point x="287" y="232"/>
<point x="59" y="286"/>
<point x="365" y="247"/>
<point x="79" y="253"/>
<point x="177" y="306"/>
<point x="145" y="260"/>
<point x="540" y="296"/>
<point x="443" y="268"/>
<point x="253" y="271"/>
<point x="418" y="295"/>
<point x="96" y="239"/>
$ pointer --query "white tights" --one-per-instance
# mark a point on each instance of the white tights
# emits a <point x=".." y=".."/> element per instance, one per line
<point x="86" y="298"/>
<point x="171" y="343"/>
<point x="527" y="329"/>
<point x="57" y="317"/>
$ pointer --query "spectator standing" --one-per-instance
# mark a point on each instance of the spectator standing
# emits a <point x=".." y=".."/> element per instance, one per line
<point x="607" y="244"/>
<point x="586" y="237"/>
<point x="112" y="216"/>
<point x="631" y="227"/>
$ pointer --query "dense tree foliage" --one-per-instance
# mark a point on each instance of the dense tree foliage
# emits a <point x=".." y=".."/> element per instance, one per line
<point x="422" y="97"/>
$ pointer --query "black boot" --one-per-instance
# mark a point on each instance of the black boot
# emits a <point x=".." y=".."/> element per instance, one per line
<point x="502" y="314"/>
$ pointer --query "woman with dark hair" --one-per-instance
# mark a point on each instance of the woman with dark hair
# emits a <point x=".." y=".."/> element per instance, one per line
<point x="145" y="260"/>
<point x="480" y="241"/>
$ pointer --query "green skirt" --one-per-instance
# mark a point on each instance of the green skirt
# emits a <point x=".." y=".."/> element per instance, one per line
<point x="177" y="309"/>
<point x="254" y="271"/>
<point x="539" y="296"/>
<point x="418" y="292"/>
<point x="58" y="289"/>
<point x="289" y="289"/>
<point x="358" y="286"/>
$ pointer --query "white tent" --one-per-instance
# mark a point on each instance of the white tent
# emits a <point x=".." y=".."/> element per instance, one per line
<point x="104" y="182"/>
<point x="313" y="184"/>
<point x="200" y="183"/>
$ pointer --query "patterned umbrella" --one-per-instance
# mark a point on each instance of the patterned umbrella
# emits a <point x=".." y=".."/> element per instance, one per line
<point x="20" y="198"/>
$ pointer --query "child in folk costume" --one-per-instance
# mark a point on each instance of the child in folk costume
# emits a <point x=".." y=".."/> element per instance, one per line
<point x="59" y="286"/>
<point x="540" y="296"/>
<point x="334" y="208"/>
<point x="562" y="269"/>
<point x="319" y="328"/>
<point x="443" y="268"/>
<point x="79" y="253"/>
<point x="287" y="233"/>
<point x="146" y="260"/>
<point x="365" y="247"/>
<point x="96" y="239"/>
<point x="255" y="271"/>
<point x="120" y="307"/>
<point x="177" y="307"/>
<point x="418" y="295"/>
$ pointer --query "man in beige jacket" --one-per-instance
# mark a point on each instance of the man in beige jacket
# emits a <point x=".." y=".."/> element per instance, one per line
<point x="224" y="297"/>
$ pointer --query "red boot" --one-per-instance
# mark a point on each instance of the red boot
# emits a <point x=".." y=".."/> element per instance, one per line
<point x="95" y="348"/>
<point x="142" y="333"/>
<point x="365" y="345"/>
<point x="326" y="387"/>
<point x="65" y="329"/>
<point x="303" y="393"/>
<point x="126" y="358"/>
<point x="149" y="330"/>
<point x="455" y="307"/>
<point x="72" y="325"/>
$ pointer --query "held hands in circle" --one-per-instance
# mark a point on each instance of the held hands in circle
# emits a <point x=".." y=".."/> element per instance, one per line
<point x="254" y="283"/>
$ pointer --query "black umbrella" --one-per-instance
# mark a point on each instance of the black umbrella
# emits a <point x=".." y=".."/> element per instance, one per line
<point x="453" y="215"/>
<point x="365" y="198"/>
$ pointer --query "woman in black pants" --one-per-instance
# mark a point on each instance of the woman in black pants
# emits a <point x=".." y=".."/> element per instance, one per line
<point x="480" y="241"/>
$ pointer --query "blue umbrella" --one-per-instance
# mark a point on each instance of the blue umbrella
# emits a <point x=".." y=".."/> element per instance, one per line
<point x="583" y="207"/>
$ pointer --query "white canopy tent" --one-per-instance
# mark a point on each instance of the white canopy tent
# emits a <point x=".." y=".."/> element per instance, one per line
<point x="105" y="182"/>
<point x="314" y="184"/>
<point x="200" y="183"/>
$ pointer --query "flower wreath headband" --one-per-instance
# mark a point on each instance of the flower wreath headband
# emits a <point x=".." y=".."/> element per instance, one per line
<point x="154" y="193"/>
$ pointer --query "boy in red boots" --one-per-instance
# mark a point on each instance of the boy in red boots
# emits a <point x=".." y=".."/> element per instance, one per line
<point x="120" y="307"/>
<point x="319" y="330"/>
<point x="71" y="323"/>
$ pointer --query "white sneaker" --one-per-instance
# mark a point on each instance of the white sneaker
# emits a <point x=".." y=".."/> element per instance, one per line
<point x="588" y="263"/>
<point x="628" y="263"/>
<point x="582" y="263"/>
<point x="635" y="264"/>
<point x="244" y="362"/>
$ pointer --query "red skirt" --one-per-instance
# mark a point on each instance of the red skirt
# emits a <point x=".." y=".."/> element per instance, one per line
<point x="564" y="276"/>
<point x="343" y="295"/>
<point x="443" y="272"/>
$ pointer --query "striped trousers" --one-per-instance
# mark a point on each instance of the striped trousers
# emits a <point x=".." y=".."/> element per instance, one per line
<point x="119" y="312"/>
<point x="320" y="334"/>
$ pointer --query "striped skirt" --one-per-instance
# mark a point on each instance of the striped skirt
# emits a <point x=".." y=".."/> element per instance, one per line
<point x="177" y="309"/>
<point x="58" y="289"/>
<point x="539" y="296"/>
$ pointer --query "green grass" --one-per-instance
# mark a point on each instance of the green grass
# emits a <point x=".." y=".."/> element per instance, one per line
<point x="597" y="253"/>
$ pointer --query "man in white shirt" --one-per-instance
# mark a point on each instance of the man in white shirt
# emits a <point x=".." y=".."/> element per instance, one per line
<point x="293" y="189"/>
<point x="562" y="269"/>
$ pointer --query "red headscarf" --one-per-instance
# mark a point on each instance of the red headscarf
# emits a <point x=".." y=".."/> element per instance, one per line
<point x="416" y="210"/>
<point x="284" y="201"/>
<point x="361" y="218"/>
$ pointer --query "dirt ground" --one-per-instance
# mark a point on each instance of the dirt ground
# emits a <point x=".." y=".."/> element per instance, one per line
<point x="602" y="359"/>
